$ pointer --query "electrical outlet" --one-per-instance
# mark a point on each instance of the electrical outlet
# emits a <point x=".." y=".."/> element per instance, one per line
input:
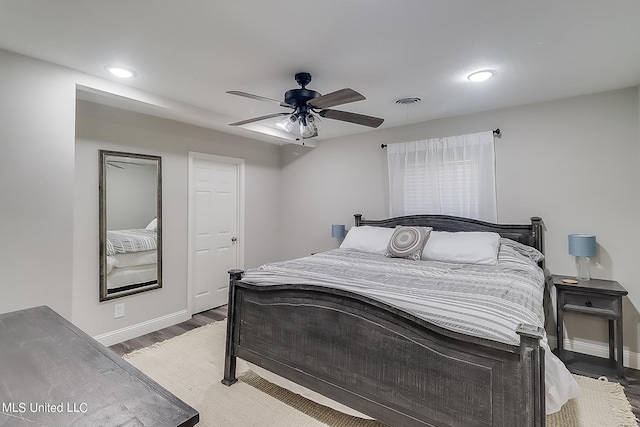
<point x="119" y="310"/>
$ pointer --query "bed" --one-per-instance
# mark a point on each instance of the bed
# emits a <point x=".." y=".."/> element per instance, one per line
<point x="370" y="353"/>
<point x="132" y="259"/>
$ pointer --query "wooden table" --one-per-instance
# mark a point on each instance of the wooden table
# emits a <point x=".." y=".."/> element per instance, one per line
<point x="53" y="374"/>
<point x="595" y="297"/>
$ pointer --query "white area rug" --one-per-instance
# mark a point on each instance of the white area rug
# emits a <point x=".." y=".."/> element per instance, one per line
<point x="191" y="367"/>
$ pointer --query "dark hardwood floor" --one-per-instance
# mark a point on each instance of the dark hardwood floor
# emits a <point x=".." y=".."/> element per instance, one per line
<point x="196" y="321"/>
<point x="632" y="389"/>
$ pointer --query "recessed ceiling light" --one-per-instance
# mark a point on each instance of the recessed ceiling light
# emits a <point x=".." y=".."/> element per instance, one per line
<point x="120" y="72"/>
<point x="480" y="76"/>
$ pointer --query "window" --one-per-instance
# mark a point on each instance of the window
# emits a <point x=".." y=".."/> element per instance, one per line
<point x="455" y="192"/>
<point x="451" y="176"/>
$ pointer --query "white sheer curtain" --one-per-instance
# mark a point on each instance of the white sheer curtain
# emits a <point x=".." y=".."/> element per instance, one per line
<point x="452" y="176"/>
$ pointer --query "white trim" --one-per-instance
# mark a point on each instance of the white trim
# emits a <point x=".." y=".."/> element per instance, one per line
<point x="630" y="359"/>
<point x="146" y="327"/>
<point x="193" y="155"/>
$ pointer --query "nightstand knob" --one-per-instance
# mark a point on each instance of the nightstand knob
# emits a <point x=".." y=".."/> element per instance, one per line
<point x="588" y="303"/>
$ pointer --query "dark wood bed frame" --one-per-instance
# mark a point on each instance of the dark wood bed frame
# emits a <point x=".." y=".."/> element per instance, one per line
<point x="384" y="362"/>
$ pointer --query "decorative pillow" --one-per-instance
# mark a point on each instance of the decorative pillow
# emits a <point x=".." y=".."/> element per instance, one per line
<point x="467" y="247"/>
<point x="368" y="239"/>
<point x="408" y="242"/>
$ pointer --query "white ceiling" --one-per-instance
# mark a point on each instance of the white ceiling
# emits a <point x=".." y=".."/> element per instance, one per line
<point x="193" y="51"/>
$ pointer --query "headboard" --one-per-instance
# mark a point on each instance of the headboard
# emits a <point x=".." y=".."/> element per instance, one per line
<point x="528" y="234"/>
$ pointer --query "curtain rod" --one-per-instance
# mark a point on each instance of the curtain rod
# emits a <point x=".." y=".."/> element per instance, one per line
<point x="496" y="133"/>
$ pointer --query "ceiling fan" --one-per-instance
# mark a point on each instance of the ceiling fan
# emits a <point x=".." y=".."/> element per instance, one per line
<point x="308" y="106"/>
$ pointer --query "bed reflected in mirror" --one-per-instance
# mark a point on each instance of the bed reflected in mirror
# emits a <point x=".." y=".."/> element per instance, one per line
<point x="130" y="223"/>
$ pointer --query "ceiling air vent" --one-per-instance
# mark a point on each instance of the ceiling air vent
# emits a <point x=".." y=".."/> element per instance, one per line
<point x="408" y="101"/>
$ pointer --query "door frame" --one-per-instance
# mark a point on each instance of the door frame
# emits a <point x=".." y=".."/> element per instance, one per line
<point x="240" y="163"/>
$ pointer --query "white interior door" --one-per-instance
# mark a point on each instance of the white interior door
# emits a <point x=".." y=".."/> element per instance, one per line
<point x="214" y="229"/>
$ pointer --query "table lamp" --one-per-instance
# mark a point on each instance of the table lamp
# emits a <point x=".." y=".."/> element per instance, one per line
<point x="582" y="246"/>
<point x="338" y="231"/>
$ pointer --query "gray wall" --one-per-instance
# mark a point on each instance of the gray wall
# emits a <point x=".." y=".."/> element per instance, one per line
<point x="36" y="184"/>
<point x="574" y="162"/>
<point x="131" y="195"/>
<point x="49" y="200"/>
<point x="101" y="127"/>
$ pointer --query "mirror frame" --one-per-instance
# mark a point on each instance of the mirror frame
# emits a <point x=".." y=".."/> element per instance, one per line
<point x="102" y="213"/>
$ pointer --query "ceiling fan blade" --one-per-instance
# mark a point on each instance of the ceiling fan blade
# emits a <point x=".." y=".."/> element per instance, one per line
<point x="339" y="97"/>
<point x="258" y="97"/>
<point x="345" y="116"/>
<point x="257" y="119"/>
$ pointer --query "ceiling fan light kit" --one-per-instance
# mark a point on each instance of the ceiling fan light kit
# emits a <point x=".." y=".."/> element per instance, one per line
<point x="308" y="106"/>
<point x="306" y="124"/>
<point x="287" y="123"/>
<point x="309" y="126"/>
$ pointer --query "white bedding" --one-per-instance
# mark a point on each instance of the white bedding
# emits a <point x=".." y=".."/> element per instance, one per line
<point x="131" y="276"/>
<point x="480" y="300"/>
<point x="131" y="259"/>
<point x="132" y="270"/>
<point x="135" y="240"/>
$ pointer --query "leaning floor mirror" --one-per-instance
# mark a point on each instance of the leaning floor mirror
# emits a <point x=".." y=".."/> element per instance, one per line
<point x="130" y="223"/>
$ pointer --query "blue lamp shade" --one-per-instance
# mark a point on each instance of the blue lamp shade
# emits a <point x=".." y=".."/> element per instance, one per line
<point x="582" y="245"/>
<point x="338" y="231"/>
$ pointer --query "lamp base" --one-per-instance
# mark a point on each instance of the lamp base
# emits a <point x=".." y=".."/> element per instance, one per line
<point x="582" y="268"/>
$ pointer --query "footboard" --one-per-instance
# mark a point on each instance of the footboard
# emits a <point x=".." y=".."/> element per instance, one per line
<point x="381" y="361"/>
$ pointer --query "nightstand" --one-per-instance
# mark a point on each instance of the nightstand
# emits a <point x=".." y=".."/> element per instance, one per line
<point x="595" y="297"/>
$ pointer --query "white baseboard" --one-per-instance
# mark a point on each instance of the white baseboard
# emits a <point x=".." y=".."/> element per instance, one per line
<point x="630" y="358"/>
<point x="133" y="331"/>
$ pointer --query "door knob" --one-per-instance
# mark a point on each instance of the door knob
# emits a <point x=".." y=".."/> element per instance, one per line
<point x="234" y="239"/>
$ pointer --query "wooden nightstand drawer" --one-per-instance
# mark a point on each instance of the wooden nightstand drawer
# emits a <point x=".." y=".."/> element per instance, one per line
<point x="592" y="304"/>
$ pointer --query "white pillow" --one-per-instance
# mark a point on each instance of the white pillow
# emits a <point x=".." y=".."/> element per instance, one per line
<point x="112" y="262"/>
<point x="468" y="247"/>
<point x="368" y="239"/>
<point x="153" y="225"/>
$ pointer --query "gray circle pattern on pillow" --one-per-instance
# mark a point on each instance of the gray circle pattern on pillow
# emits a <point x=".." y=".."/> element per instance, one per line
<point x="408" y="242"/>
